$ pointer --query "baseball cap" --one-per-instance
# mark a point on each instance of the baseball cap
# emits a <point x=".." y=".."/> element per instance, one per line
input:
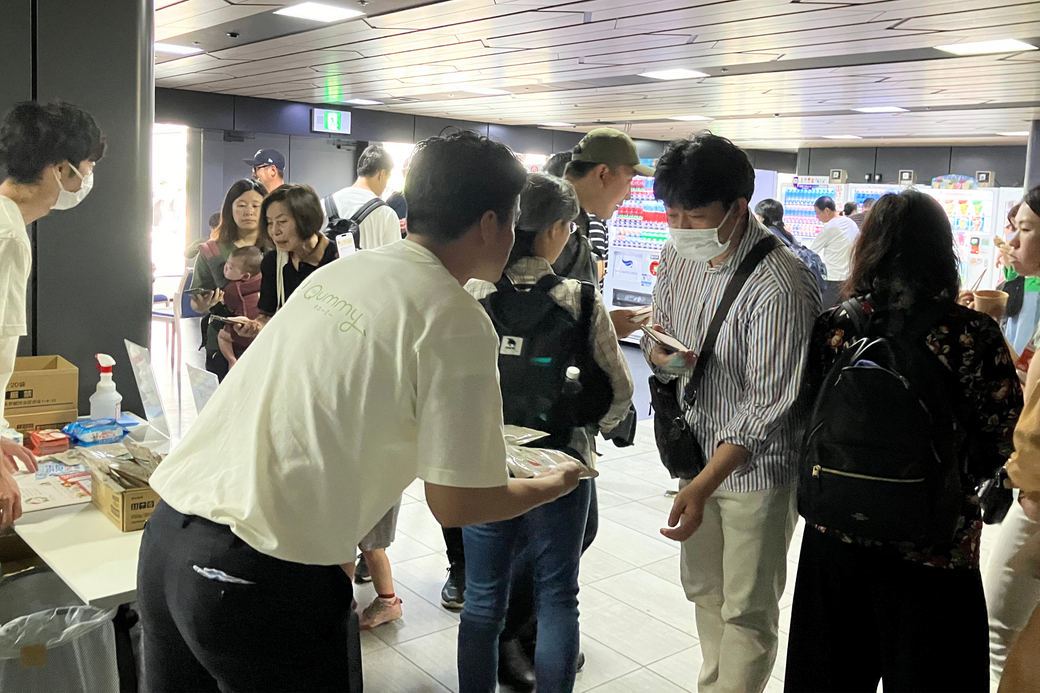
<point x="611" y="147"/>
<point x="267" y="157"/>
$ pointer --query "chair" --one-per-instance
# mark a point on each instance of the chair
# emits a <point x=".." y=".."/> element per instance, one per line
<point x="179" y="310"/>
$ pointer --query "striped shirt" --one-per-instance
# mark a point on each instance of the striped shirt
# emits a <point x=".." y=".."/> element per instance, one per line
<point x="750" y="386"/>
<point x="600" y="241"/>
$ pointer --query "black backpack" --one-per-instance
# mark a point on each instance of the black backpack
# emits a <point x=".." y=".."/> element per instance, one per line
<point x="879" y="459"/>
<point x="539" y="340"/>
<point x="339" y="227"/>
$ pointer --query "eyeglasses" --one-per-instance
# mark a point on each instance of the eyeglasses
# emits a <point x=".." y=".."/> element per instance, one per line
<point x="260" y="166"/>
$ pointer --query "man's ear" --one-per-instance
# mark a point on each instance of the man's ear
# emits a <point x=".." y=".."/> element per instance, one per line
<point x="489" y="226"/>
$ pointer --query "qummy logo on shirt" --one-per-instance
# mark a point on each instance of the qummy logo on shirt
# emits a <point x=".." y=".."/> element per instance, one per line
<point x="334" y="307"/>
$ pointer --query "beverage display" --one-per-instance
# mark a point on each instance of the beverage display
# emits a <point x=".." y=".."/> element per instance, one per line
<point x="860" y="193"/>
<point x="638" y="231"/>
<point x="971" y="214"/>
<point x="798" y="194"/>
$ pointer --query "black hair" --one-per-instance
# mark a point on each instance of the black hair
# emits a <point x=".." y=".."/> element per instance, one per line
<point x="34" y="136"/>
<point x="214" y="220"/>
<point x="698" y="172"/>
<point x="905" y="253"/>
<point x="772" y="213"/>
<point x="251" y="257"/>
<point x="557" y="164"/>
<point x="304" y="207"/>
<point x="454" y="180"/>
<point x="579" y="169"/>
<point x="373" y="160"/>
<point x="869" y="202"/>
<point x="227" y="232"/>
<point x="825" y="202"/>
<point x="545" y="200"/>
<point x="1032" y="200"/>
<point x="850" y="208"/>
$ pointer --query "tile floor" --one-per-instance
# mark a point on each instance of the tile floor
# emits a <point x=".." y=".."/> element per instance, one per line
<point x="638" y="630"/>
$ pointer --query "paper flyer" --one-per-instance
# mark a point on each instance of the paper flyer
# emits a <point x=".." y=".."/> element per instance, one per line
<point x="55" y="485"/>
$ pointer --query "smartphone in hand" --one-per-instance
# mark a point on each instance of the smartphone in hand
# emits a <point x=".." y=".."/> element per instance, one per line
<point x="668" y="342"/>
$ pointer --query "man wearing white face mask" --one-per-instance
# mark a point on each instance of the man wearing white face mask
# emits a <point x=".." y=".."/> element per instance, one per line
<point x="47" y="153"/>
<point x="735" y="513"/>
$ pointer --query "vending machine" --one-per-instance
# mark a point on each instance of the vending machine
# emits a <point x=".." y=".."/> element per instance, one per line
<point x="974" y="219"/>
<point x="638" y="231"/>
<point x="858" y="192"/>
<point x="798" y="194"/>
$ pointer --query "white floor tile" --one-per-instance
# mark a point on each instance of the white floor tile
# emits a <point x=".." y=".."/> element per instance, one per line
<point x="597" y="565"/>
<point x="632" y="546"/>
<point x="370" y="643"/>
<point x="405" y="548"/>
<point x="785" y="619"/>
<point x="775" y="685"/>
<point x="627" y="630"/>
<point x="436" y="654"/>
<point x="681" y="668"/>
<point x="602" y="664"/>
<point x="653" y="596"/>
<point x="388" y="671"/>
<point x="425" y="576"/>
<point x="662" y="504"/>
<point x="416" y="490"/>
<point x="668" y="569"/>
<point x="606" y="499"/>
<point x="642" y="680"/>
<point x="631" y="487"/>
<point x="780" y="667"/>
<point x="420" y="618"/>
<point x="640" y="517"/>
<point x="417" y="522"/>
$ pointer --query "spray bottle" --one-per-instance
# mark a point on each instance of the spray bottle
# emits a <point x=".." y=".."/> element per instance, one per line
<point x="105" y="402"/>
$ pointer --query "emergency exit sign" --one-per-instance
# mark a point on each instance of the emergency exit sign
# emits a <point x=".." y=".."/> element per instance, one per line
<point x="336" y="122"/>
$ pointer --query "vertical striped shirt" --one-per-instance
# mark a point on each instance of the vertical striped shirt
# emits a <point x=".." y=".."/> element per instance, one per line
<point x="750" y="387"/>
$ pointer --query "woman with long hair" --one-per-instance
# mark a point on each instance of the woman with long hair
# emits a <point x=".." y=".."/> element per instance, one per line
<point x="239" y="226"/>
<point x="909" y="613"/>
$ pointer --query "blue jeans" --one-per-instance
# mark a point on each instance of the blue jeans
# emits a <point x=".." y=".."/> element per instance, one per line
<point x="553" y="535"/>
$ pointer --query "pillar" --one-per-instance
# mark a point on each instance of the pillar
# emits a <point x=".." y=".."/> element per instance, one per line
<point x="1032" y="178"/>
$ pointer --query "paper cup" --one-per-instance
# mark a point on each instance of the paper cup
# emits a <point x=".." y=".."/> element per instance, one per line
<point x="991" y="303"/>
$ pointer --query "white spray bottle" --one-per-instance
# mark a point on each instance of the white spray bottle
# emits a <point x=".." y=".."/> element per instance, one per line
<point x="105" y="402"/>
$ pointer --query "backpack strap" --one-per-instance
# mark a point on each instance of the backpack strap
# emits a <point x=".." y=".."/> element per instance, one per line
<point x="736" y="283"/>
<point x="588" y="309"/>
<point x="331" y="210"/>
<point x="364" y="210"/>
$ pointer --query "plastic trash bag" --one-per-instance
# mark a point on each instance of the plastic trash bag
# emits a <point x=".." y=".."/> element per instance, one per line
<point x="69" y="649"/>
<point x="524" y="463"/>
<point x="518" y="435"/>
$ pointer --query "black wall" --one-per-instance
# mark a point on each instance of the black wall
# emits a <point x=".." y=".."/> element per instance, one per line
<point x="1007" y="162"/>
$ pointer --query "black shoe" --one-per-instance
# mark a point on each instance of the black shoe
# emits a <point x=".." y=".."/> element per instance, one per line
<point x="515" y="670"/>
<point x="361" y="573"/>
<point x="453" y="596"/>
<point x="581" y="662"/>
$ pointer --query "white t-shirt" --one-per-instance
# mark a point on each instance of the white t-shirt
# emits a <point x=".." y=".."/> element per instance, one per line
<point x="834" y="246"/>
<point x="15" y="264"/>
<point x="379" y="369"/>
<point x="381" y="227"/>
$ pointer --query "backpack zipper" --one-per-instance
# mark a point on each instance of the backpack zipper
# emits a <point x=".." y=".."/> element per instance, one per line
<point x="818" y="468"/>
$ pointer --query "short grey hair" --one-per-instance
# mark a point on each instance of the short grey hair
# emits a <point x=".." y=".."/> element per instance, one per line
<point x="545" y="200"/>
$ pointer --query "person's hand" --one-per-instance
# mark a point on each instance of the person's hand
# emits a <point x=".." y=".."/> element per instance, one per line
<point x="1030" y="503"/>
<point x="687" y="513"/>
<point x="674" y="361"/>
<point x="249" y="330"/>
<point x="563" y="478"/>
<point x="966" y="299"/>
<point x="10" y="497"/>
<point x="12" y="452"/>
<point x="626" y="322"/>
<point x="207" y="300"/>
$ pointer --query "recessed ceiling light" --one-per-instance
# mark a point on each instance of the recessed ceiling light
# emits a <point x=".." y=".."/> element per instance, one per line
<point x="176" y="50"/>
<point x="363" y="102"/>
<point x="556" y="125"/>
<point x="317" y="12"/>
<point x="881" y="109"/>
<point x="984" y="47"/>
<point x="690" y="118"/>
<point x="842" y="137"/>
<point x="1020" y="133"/>
<point x="488" y="92"/>
<point x="673" y="74"/>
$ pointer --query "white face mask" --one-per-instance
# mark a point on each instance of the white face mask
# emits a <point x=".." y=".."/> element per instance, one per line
<point x="68" y="200"/>
<point x="699" y="245"/>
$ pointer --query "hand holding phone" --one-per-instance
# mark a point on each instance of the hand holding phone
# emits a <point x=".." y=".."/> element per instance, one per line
<point x="669" y="354"/>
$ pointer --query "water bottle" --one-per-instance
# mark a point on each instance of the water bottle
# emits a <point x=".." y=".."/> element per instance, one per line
<point x="572" y="381"/>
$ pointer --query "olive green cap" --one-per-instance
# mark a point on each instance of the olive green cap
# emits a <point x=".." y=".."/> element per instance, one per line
<point x="611" y="147"/>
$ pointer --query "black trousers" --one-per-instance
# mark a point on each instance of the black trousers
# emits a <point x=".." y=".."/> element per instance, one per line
<point x="861" y="616"/>
<point x="274" y="626"/>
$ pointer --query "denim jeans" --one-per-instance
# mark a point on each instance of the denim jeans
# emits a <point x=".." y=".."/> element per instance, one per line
<point x="553" y="534"/>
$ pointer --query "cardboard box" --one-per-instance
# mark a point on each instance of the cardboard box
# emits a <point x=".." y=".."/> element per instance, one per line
<point x="128" y="509"/>
<point x="42" y="383"/>
<point x="25" y="421"/>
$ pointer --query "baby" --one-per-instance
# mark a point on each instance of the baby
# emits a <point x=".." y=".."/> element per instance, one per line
<point x="241" y="295"/>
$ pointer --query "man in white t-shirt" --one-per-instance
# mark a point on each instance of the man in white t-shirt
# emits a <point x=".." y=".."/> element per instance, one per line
<point x="834" y="245"/>
<point x="379" y="369"/>
<point x="381" y="227"/>
<point x="48" y="152"/>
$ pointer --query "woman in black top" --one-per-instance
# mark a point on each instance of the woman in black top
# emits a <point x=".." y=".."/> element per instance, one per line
<point x="290" y="220"/>
<point x="909" y="614"/>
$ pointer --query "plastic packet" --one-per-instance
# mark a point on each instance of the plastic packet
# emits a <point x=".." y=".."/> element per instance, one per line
<point x="518" y="435"/>
<point x="524" y="463"/>
<point x="95" y="432"/>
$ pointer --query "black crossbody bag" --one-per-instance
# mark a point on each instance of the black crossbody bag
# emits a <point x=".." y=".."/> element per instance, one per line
<point x="680" y="451"/>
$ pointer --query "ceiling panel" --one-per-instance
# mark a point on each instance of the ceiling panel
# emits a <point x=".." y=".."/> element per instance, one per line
<point x="780" y="73"/>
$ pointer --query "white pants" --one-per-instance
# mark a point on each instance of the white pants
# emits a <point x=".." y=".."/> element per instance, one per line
<point x="734" y="568"/>
<point x="1010" y="596"/>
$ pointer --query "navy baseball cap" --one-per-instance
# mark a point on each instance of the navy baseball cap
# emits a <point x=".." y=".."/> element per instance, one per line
<point x="267" y="157"/>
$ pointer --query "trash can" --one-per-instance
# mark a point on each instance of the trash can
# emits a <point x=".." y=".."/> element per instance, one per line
<point x="69" y="649"/>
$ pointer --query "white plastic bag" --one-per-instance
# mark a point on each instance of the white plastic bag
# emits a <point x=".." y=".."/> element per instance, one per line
<point x="68" y="649"/>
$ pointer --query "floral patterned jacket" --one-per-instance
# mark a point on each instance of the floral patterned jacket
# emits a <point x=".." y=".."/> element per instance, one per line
<point x="972" y="346"/>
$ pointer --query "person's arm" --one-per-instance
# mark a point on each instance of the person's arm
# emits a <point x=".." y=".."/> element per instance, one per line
<point x="227" y="347"/>
<point x="455" y="506"/>
<point x="823" y="239"/>
<point x="777" y="335"/>
<point x="203" y="279"/>
<point x="607" y="353"/>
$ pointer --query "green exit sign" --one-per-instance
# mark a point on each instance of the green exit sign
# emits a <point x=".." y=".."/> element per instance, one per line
<point x="335" y="122"/>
